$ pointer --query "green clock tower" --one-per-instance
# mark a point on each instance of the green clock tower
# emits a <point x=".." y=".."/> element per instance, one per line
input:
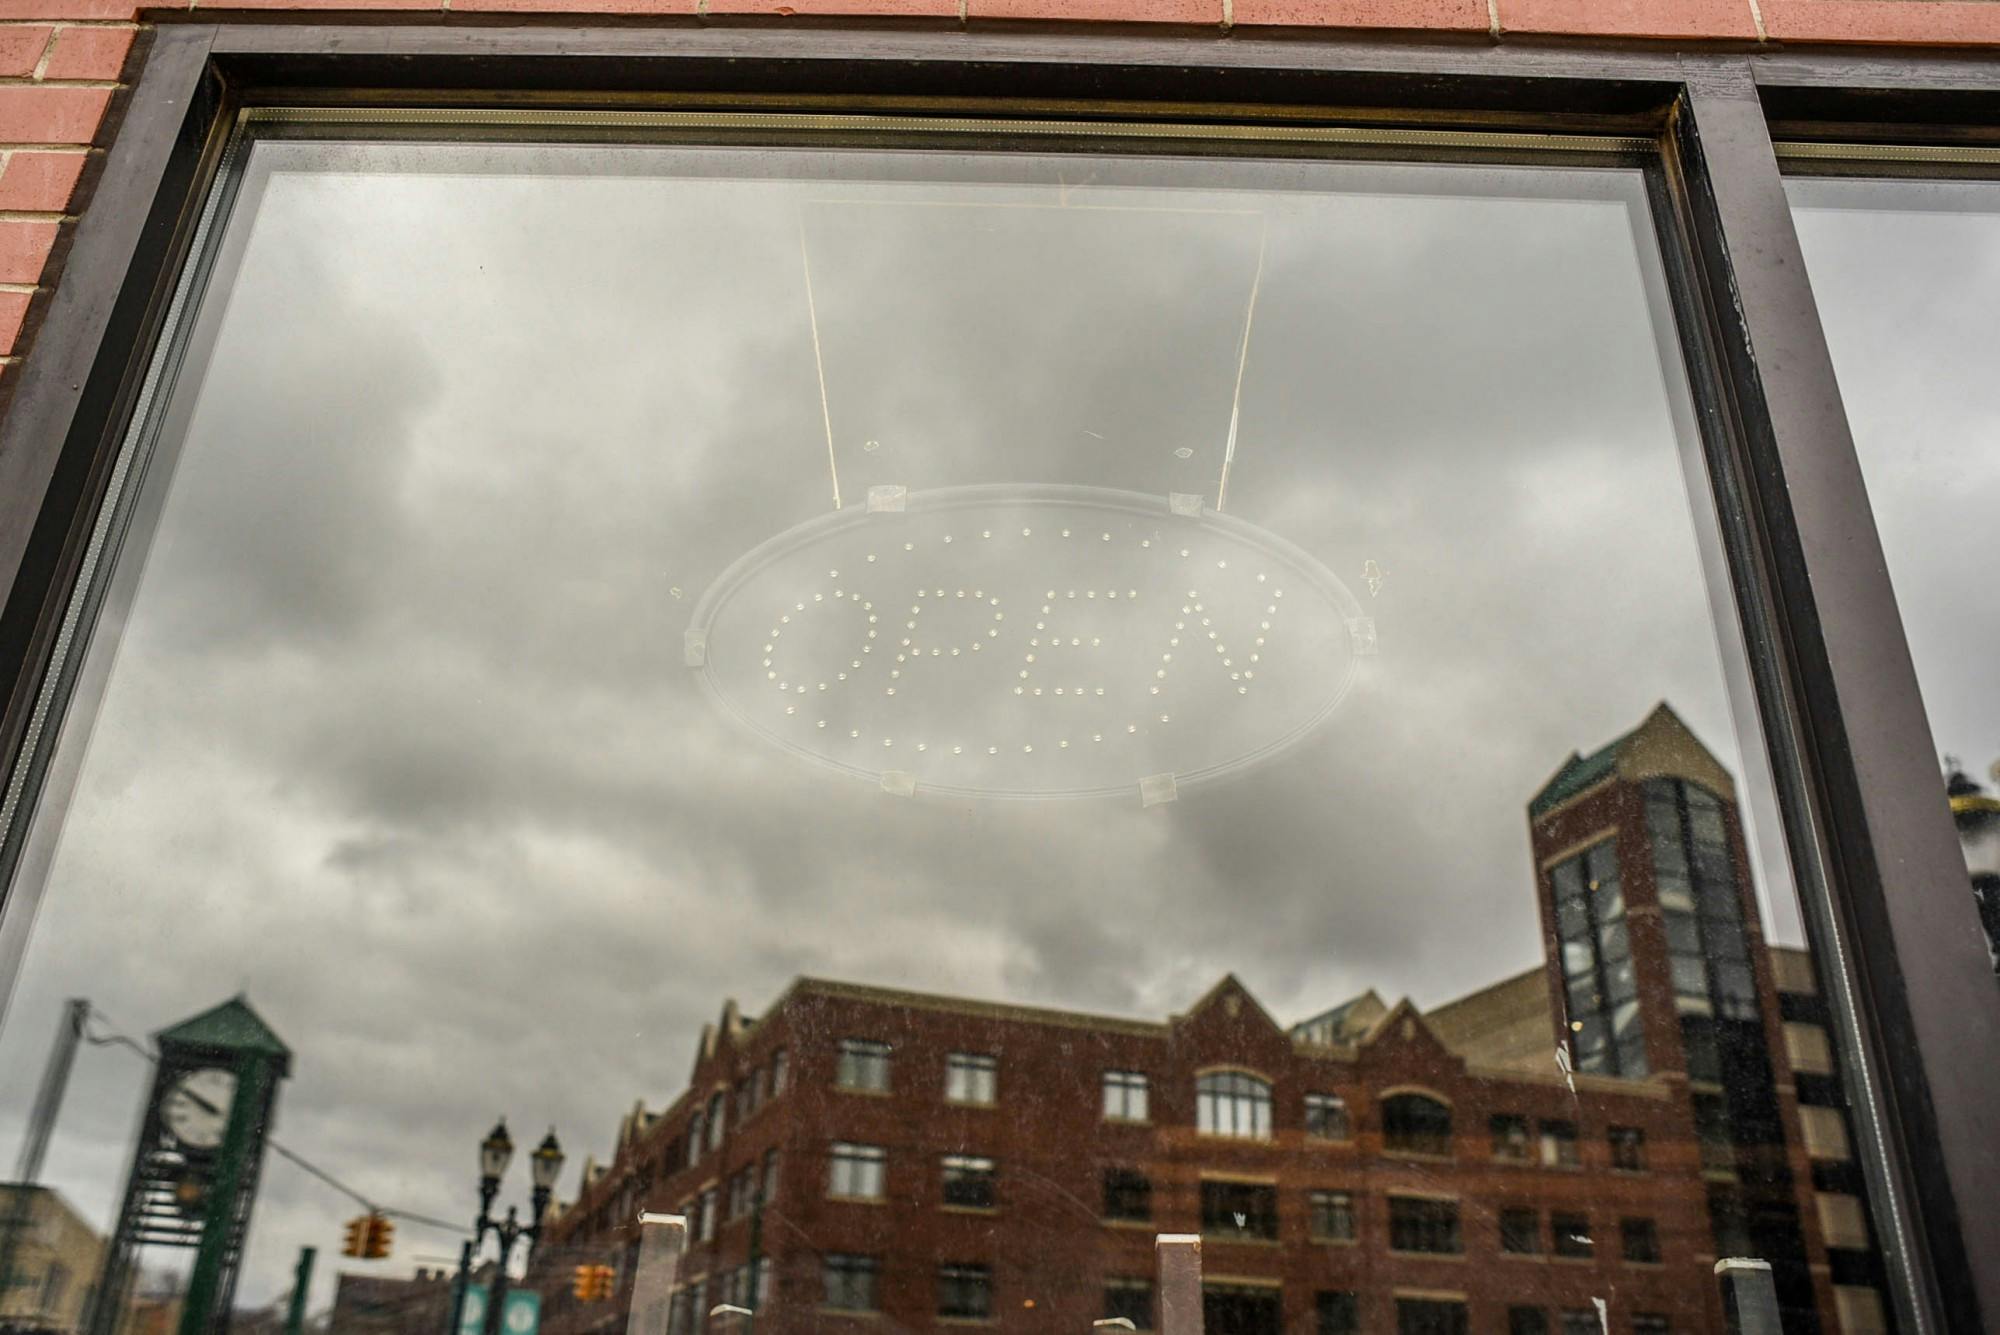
<point x="195" y="1167"/>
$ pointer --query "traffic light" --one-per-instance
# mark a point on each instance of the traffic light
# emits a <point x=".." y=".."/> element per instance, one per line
<point x="592" y="1283"/>
<point x="357" y="1236"/>
<point x="606" y="1278"/>
<point x="381" y="1232"/>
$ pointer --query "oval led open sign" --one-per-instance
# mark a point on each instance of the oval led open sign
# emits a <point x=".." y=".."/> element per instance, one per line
<point x="1028" y="642"/>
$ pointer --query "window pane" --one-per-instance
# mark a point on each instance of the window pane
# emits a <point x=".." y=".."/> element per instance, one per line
<point x="1921" y="398"/>
<point x="715" y="646"/>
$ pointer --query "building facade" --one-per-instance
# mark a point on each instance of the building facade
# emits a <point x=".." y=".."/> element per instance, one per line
<point x="52" y="1260"/>
<point x="1601" y="1130"/>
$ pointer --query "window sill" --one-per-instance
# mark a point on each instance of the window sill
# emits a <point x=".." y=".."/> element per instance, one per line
<point x="864" y="1093"/>
<point x="1333" y="1242"/>
<point x="1426" y="1256"/>
<point x="1417" y="1156"/>
<point x="1239" y="1240"/>
<point x="1145" y="1224"/>
<point x="856" y="1313"/>
<point x="1127" y="1121"/>
<point x="988" y="1104"/>
<point x="857" y="1200"/>
<point x="1574" y="1260"/>
<point x="969" y="1209"/>
<point x="968" y="1321"/>
<point x="1538" y="1257"/>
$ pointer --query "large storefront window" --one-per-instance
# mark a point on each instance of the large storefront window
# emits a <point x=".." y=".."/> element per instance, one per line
<point x="983" y="676"/>
<point x="1907" y="276"/>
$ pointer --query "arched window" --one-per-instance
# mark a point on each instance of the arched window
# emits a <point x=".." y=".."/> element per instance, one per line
<point x="1231" y="1103"/>
<point x="1416" y="1124"/>
<point x="694" y="1138"/>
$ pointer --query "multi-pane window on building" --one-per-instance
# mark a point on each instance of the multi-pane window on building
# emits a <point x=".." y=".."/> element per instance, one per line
<point x="856" y="1171"/>
<point x="1125" y="1096"/>
<point x="718" y="1113"/>
<point x="1430" y="1316"/>
<point x="1600" y="986"/>
<point x="968" y="1182"/>
<point x="1336" y="1312"/>
<point x="849" y="1282"/>
<point x="746" y="1098"/>
<point x="1521" y="1231"/>
<point x="1527" y="1321"/>
<point x="1130" y="1300"/>
<point x="1628" y="1148"/>
<point x="694" y="1141"/>
<point x="1239" y="1209"/>
<point x="1511" y="1139"/>
<point x="1640" y="1239"/>
<point x="965" y="1291"/>
<point x="1569" y="1234"/>
<point x="742" y="1192"/>
<point x="705" y="1220"/>
<point x="779" y="1070"/>
<point x="1233" y="1103"/>
<point x="864" y="1064"/>
<point x="1700" y="900"/>
<point x="1582" y="1321"/>
<point x="1330" y="1215"/>
<point x="1651" y="1323"/>
<point x="1416" y="1124"/>
<point x="1326" y="1117"/>
<point x="970" y="1077"/>
<point x="1559" y="1146"/>
<point x="769" y="1191"/>
<point x="1128" y="1194"/>
<point x="1711" y="1130"/>
<point x="1421" y="1224"/>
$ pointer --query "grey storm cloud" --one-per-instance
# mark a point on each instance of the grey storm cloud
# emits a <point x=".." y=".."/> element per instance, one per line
<point x="397" y="739"/>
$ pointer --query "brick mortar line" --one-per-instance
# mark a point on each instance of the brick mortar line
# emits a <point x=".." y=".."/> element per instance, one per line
<point x="51" y="146"/>
<point x="37" y="216"/>
<point x="20" y="287"/>
<point x="36" y="80"/>
<point x="60" y="24"/>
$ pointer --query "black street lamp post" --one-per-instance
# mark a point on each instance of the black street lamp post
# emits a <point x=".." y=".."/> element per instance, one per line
<point x="495" y="1153"/>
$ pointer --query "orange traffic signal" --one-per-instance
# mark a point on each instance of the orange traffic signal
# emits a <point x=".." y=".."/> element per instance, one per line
<point x="381" y="1233"/>
<point x="357" y="1236"/>
<point x="592" y="1283"/>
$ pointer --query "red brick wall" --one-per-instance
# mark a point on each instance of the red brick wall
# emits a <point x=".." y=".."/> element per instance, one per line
<point x="61" y="61"/>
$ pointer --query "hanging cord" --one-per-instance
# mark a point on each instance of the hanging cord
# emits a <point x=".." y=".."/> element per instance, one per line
<point x="1242" y="361"/>
<point x="819" y="361"/>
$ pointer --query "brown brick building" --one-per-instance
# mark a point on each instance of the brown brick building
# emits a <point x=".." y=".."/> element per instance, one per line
<point x="1596" y="1131"/>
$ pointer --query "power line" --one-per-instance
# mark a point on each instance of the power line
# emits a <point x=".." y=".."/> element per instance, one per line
<point x="111" y="1037"/>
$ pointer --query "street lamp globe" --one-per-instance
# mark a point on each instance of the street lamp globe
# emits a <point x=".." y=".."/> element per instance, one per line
<point x="546" y="1162"/>
<point x="496" y="1152"/>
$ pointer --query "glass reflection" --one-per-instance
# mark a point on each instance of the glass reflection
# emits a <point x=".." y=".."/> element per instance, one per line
<point x="1907" y="277"/>
<point x="1165" y="686"/>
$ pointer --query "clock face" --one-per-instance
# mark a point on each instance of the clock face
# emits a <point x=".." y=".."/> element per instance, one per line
<point x="196" y="1109"/>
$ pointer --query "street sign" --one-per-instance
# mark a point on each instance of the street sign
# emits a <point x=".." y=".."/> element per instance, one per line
<point x="522" y="1314"/>
<point x="472" y="1313"/>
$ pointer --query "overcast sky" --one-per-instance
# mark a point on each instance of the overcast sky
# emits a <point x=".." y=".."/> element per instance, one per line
<point x="399" y="739"/>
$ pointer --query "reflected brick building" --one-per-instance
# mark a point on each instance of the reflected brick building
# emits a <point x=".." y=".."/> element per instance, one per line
<point x="1659" y="1094"/>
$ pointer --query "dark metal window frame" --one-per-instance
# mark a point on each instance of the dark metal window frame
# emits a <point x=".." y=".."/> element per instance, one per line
<point x="1883" y="880"/>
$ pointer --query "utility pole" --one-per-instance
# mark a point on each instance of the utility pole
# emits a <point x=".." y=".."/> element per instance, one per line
<point x="295" y="1315"/>
<point x="41" y="1124"/>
